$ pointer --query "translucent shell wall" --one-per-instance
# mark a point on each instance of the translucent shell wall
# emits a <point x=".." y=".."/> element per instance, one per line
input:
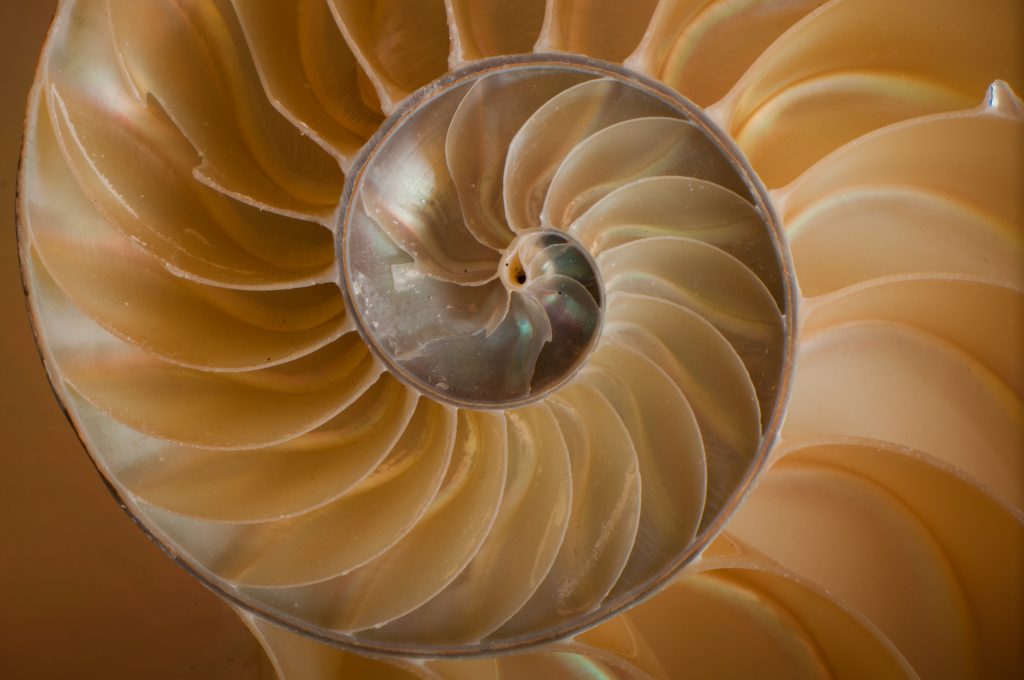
<point x="194" y="173"/>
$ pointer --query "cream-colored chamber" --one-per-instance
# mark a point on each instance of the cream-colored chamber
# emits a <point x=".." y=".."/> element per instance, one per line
<point x="423" y="349"/>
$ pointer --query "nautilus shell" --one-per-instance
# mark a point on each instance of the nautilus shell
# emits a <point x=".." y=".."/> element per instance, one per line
<point x="673" y="338"/>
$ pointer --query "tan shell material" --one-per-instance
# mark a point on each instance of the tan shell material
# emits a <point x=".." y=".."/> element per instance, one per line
<point x="196" y="179"/>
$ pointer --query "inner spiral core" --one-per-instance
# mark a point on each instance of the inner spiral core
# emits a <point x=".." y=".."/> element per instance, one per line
<point x="456" y="244"/>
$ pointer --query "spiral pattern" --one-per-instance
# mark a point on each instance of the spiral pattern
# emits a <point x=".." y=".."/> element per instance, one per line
<point x="190" y="168"/>
<point x="300" y="474"/>
<point x="470" y="229"/>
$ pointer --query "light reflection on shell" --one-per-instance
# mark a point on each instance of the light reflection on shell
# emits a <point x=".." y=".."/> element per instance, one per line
<point x="176" y="217"/>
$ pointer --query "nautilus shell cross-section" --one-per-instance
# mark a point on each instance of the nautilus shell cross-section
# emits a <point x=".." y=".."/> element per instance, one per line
<point x="570" y="339"/>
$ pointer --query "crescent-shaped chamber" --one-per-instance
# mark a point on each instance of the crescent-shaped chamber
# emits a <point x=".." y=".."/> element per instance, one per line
<point x="559" y="354"/>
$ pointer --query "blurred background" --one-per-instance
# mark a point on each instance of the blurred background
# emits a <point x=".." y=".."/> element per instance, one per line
<point x="83" y="593"/>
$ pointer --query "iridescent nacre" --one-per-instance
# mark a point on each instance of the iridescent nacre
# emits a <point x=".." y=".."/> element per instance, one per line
<point x="460" y="262"/>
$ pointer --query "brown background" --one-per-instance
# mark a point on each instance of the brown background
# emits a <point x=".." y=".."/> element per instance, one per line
<point x="83" y="593"/>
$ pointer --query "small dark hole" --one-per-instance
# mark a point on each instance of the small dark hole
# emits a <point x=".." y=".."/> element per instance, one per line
<point x="521" y="278"/>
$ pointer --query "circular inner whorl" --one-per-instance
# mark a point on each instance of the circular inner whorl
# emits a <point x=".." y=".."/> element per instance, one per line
<point x="458" y="254"/>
